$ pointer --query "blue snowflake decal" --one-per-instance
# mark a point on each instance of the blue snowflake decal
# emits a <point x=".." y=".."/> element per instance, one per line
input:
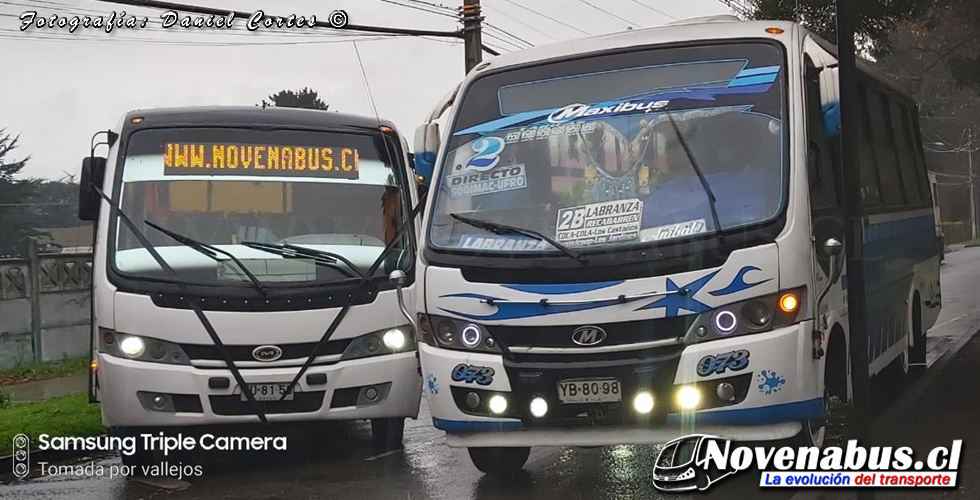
<point x="433" y="384"/>
<point x="770" y="382"/>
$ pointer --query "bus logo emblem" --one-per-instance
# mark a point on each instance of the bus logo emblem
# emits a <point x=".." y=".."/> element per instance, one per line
<point x="267" y="353"/>
<point x="588" y="335"/>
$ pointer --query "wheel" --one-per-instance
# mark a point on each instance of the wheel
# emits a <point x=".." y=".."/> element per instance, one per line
<point x="916" y="355"/>
<point x="814" y="431"/>
<point x="498" y="461"/>
<point x="387" y="434"/>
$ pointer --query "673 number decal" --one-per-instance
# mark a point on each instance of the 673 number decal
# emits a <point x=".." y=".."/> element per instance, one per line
<point x="719" y="363"/>
<point x="480" y="375"/>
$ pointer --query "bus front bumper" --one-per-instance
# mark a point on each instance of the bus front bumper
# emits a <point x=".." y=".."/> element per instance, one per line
<point x="138" y="394"/>
<point x="768" y="397"/>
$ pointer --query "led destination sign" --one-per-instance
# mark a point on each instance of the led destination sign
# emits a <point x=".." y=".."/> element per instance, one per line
<point x="255" y="159"/>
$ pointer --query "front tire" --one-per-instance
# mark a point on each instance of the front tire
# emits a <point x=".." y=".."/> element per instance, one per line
<point x="499" y="461"/>
<point x="387" y="434"/>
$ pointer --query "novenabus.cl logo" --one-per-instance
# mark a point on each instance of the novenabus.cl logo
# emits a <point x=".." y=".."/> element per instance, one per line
<point x="682" y="464"/>
<point x="697" y="461"/>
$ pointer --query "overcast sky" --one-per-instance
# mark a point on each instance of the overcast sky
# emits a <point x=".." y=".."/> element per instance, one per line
<point x="60" y="88"/>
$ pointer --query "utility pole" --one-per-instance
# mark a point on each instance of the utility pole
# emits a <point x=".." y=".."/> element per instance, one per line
<point x="472" y="36"/>
<point x="854" y="231"/>
<point x="973" y="186"/>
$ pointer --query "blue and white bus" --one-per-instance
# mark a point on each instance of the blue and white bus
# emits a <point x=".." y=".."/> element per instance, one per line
<point x="636" y="236"/>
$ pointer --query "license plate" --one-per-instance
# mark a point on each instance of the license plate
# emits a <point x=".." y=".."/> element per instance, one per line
<point x="268" y="392"/>
<point x="590" y="391"/>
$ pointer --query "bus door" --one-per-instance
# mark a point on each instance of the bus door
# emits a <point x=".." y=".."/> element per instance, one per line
<point x="826" y="197"/>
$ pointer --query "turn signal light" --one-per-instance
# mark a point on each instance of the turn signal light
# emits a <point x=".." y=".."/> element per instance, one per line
<point x="95" y="365"/>
<point x="789" y="302"/>
<point x="774" y="31"/>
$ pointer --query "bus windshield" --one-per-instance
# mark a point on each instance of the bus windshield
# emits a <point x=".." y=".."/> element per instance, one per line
<point x="241" y="190"/>
<point x="617" y="149"/>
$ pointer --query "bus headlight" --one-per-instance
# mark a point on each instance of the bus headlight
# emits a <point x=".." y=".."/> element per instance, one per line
<point x="390" y="341"/>
<point x="450" y="333"/>
<point x="394" y="339"/>
<point x="123" y="345"/>
<point x="755" y="315"/>
<point x="132" y="346"/>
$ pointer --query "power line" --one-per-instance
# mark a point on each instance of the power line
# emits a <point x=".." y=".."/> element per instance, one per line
<point x="546" y="16"/>
<point x="155" y="4"/>
<point x="658" y="11"/>
<point x="516" y="20"/>
<point x="610" y="14"/>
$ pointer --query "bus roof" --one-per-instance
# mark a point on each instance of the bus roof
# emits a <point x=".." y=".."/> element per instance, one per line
<point x="712" y="28"/>
<point x="696" y="29"/>
<point x="253" y="116"/>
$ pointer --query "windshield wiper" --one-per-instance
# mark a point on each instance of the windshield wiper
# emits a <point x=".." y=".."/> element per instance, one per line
<point x="320" y="257"/>
<point x="498" y="228"/>
<point x="193" y="305"/>
<point x="210" y="251"/>
<point x="712" y="201"/>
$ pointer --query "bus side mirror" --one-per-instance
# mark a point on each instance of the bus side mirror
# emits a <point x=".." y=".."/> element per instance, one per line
<point x="93" y="175"/>
<point x="426" y="147"/>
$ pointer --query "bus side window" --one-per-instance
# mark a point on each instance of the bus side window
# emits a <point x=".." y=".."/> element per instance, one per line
<point x="823" y="185"/>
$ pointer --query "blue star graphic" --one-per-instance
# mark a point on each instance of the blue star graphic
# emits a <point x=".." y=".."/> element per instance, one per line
<point x="674" y="302"/>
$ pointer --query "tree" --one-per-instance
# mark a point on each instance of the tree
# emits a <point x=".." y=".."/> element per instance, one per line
<point x="876" y="19"/>
<point x="305" y="98"/>
<point x="14" y="194"/>
<point x="947" y="32"/>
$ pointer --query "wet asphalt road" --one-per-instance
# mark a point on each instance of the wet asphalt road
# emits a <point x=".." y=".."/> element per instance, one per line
<point x="339" y="465"/>
<point x="425" y="469"/>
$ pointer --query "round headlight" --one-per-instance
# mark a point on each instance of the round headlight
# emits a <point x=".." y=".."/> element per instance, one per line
<point x="471" y="336"/>
<point x="132" y="346"/>
<point x="394" y="339"/>
<point x="446" y="332"/>
<point x="757" y="313"/>
<point x="157" y="350"/>
<point x="725" y="322"/>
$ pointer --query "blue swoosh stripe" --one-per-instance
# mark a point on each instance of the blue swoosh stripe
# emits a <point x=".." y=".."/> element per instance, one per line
<point x="738" y="283"/>
<point x="512" y="310"/>
<point x="563" y="289"/>
<point x="786" y="412"/>
<point x="765" y="70"/>
<point x="752" y="80"/>
<point x="469" y="296"/>
<point x="699" y="94"/>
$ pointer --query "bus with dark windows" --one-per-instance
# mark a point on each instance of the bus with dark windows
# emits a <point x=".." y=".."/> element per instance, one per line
<point x="633" y="236"/>
<point x="245" y="268"/>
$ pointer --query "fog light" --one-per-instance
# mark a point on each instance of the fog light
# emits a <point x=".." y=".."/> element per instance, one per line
<point x="159" y="401"/>
<point x="132" y="347"/>
<point x="394" y="339"/>
<point x="643" y="402"/>
<point x="726" y="391"/>
<point x="688" y="398"/>
<point x="371" y="393"/>
<point x="539" y="407"/>
<point x="498" y="404"/>
<point x="702" y="331"/>
<point x="472" y="400"/>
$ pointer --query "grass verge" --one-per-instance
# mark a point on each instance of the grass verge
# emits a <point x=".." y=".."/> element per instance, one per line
<point x="64" y="416"/>
<point x="30" y="372"/>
